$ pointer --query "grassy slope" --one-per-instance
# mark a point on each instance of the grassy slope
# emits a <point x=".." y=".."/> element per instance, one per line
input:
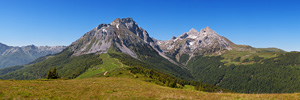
<point x="108" y="65"/>
<point x="230" y="57"/>
<point x="113" y="88"/>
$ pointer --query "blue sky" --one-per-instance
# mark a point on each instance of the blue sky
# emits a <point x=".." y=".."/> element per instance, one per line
<point x="259" y="23"/>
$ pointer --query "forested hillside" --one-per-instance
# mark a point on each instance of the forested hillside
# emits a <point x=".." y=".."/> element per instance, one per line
<point x="280" y="74"/>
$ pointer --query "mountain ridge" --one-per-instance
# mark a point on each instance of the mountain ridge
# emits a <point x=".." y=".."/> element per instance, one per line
<point x="193" y="43"/>
<point x="120" y="38"/>
<point x="15" y="55"/>
<point x="203" y="56"/>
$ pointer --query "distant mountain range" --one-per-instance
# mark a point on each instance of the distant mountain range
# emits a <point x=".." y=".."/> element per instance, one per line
<point x="11" y="56"/>
<point x="195" y="55"/>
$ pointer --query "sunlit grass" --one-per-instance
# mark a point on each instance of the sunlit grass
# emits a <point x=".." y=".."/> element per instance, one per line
<point x="108" y="64"/>
<point x="113" y="88"/>
<point x="229" y="56"/>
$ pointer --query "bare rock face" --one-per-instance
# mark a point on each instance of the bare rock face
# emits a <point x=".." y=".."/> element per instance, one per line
<point x="133" y="27"/>
<point x="124" y="34"/>
<point x="98" y="40"/>
<point x="193" y="43"/>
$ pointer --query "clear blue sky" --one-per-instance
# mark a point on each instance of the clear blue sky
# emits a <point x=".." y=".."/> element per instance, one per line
<point x="259" y="23"/>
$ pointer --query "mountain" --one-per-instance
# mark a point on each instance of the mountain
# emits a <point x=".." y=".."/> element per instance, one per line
<point x="193" y="43"/>
<point x="195" y="56"/>
<point x="11" y="56"/>
<point x="214" y="59"/>
<point x="122" y="39"/>
<point x="125" y="36"/>
<point x="121" y="33"/>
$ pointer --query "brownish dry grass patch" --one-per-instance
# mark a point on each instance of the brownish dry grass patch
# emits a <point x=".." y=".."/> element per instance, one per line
<point x="115" y="88"/>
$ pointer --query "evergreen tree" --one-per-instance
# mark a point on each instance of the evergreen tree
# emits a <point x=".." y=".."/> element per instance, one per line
<point x="49" y="74"/>
<point x="52" y="74"/>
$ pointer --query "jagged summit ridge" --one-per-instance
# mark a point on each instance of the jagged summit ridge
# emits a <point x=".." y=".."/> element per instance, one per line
<point x="126" y="36"/>
<point x="122" y="33"/>
<point x="130" y="24"/>
<point x="207" y="28"/>
<point x="193" y="30"/>
<point x="194" y="42"/>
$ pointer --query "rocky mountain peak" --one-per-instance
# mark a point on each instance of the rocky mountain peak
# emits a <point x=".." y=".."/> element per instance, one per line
<point x="130" y="24"/>
<point x="206" y="29"/>
<point x="30" y="46"/>
<point x="122" y="33"/>
<point x="207" y="41"/>
<point x="125" y="35"/>
<point x="173" y="37"/>
<point x="192" y="30"/>
<point x="122" y="21"/>
<point x="127" y="22"/>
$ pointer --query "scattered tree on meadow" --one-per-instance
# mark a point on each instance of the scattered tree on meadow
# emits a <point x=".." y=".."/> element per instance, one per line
<point x="49" y="74"/>
<point x="52" y="75"/>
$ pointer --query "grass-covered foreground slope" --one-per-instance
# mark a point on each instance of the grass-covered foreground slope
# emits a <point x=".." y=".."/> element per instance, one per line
<point x="280" y="74"/>
<point x="114" y="88"/>
<point x="122" y="79"/>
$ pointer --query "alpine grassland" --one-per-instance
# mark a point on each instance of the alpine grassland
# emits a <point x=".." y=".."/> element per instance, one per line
<point x="116" y="88"/>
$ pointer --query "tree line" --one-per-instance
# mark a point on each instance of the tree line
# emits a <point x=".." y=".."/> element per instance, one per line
<point x="173" y="82"/>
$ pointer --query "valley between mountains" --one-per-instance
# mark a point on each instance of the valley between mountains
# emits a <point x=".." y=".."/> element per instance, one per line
<point x="198" y="60"/>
